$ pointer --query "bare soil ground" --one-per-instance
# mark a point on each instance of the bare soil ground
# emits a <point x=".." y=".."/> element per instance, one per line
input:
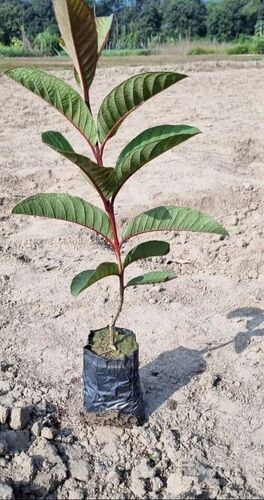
<point x="200" y="336"/>
<point x="166" y="55"/>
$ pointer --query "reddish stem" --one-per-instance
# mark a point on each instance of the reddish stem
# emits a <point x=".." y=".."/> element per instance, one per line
<point x="109" y="208"/>
<point x="99" y="155"/>
<point x="117" y="249"/>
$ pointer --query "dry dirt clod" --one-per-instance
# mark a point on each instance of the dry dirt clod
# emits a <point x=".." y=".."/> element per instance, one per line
<point x="113" y="477"/>
<point x="6" y="492"/>
<point x="50" y="469"/>
<point x="4" y="414"/>
<point x="76" y="493"/>
<point x="79" y="467"/>
<point x="157" y="484"/>
<point x="36" y="429"/>
<point x="22" y="468"/>
<point x="48" y="433"/>
<point x="20" y="417"/>
<point x="5" y="386"/>
<point x="138" y="487"/>
<point x="179" y="485"/>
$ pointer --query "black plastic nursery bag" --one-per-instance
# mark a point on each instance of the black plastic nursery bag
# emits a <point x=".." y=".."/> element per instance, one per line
<point x="112" y="385"/>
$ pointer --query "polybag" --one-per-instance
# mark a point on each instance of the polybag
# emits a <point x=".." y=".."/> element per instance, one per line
<point x="112" y="384"/>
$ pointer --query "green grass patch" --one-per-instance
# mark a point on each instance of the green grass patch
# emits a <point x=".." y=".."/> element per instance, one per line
<point x="126" y="52"/>
<point x="257" y="46"/>
<point x="6" y="51"/>
<point x="247" y="45"/>
<point x="200" y="51"/>
<point x="239" y="49"/>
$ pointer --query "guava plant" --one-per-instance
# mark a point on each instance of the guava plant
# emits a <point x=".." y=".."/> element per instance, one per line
<point x="83" y="37"/>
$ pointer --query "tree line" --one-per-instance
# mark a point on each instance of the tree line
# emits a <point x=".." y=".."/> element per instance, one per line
<point x="137" y="23"/>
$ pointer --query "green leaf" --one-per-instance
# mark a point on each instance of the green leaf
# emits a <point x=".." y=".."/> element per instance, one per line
<point x="103" y="26"/>
<point x="151" y="278"/>
<point x="128" y="96"/>
<point x="57" y="142"/>
<point x="88" y="278"/>
<point x="145" y="250"/>
<point x="68" y="208"/>
<point x="148" y="145"/>
<point x="60" y="95"/>
<point x="77" y="26"/>
<point x="172" y="218"/>
<point x="101" y="178"/>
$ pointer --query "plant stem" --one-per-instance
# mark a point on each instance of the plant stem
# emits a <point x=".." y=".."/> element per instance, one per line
<point x="109" y="207"/>
<point x="99" y="156"/>
<point x="120" y="306"/>
<point x="110" y="210"/>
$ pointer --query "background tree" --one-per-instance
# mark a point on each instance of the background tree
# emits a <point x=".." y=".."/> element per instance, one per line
<point x="11" y="19"/>
<point x="150" y="22"/>
<point x="137" y="23"/>
<point x="47" y="42"/>
<point x="228" y="19"/>
<point x="184" y="19"/>
<point x="38" y="16"/>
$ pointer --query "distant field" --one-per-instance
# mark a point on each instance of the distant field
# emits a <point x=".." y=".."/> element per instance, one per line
<point x="53" y="63"/>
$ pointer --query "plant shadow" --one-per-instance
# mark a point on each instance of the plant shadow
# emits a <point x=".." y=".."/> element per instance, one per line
<point x="170" y="371"/>
<point x="173" y="369"/>
<point x="254" y="317"/>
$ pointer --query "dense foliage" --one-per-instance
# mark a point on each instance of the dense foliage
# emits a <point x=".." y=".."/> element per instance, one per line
<point x="137" y="23"/>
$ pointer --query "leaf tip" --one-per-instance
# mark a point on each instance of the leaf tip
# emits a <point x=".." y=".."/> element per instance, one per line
<point x="74" y="291"/>
<point x="222" y="231"/>
<point x="44" y="136"/>
<point x="8" y="72"/>
<point x="17" y="209"/>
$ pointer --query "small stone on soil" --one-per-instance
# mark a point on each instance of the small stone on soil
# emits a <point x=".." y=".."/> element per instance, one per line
<point x="36" y="429"/>
<point x="48" y="433"/>
<point x="113" y="477"/>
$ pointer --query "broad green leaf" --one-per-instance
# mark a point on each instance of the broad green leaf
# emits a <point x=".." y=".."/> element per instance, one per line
<point x="88" y="278"/>
<point x="145" y="250"/>
<point x="103" y="26"/>
<point x="60" y="95"/>
<point x="151" y="278"/>
<point x="148" y="145"/>
<point x="128" y="96"/>
<point x="77" y="26"/>
<point x="68" y="208"/>
<point x="172" y="218"/>
<point x="101" y="178"/>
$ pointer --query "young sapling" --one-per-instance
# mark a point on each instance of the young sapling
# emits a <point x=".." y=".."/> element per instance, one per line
<point x="83" y="37"/>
